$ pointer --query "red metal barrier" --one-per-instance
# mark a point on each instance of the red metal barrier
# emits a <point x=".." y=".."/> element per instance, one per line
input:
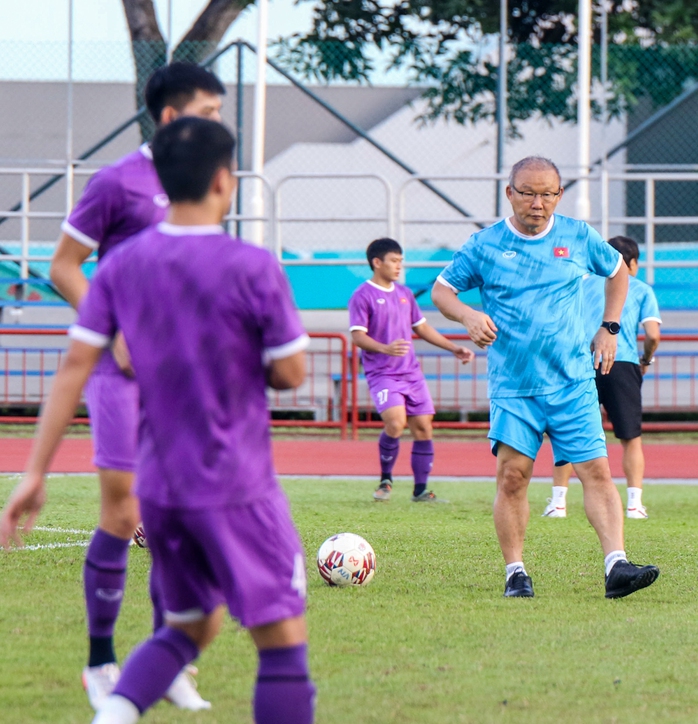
<point x="27" y="371"/>
<point x="669" y="386"/>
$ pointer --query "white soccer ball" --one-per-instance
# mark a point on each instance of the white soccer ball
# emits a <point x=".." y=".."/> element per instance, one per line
<point x="346" y="559"/>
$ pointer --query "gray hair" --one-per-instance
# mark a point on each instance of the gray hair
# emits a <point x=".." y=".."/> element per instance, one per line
<point x="537" y="162"/>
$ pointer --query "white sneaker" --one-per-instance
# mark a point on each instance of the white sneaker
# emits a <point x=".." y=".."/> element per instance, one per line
<point x="639" y="513"/>
<point x="554" y="511"/>
<point x="99" y="682"/>
<point x="182" y="692"/>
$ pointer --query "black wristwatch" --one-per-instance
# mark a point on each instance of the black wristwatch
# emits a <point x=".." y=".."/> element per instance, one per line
<point x="612" y="327"/>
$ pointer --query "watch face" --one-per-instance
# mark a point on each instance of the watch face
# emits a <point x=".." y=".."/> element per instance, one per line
<point x="612" y="327"/>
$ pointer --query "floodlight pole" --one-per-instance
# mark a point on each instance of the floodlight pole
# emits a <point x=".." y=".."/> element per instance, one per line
<point x="604" y="118"/>
<point x="584" y="107"/>
<point x="259" y="124"/>
<point x="501" y="100"/>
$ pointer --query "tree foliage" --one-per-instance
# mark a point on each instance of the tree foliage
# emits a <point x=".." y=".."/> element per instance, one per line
<point x="450" y="47"/>
<point x="150" y="49"/>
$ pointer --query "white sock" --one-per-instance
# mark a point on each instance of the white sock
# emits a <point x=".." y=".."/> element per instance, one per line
<point x="513" y="567"/>
<point x="612" y="558"/>
<point x="117" y="710"/>
<point x="634" y="497"/>
<point x="560" y="496"/>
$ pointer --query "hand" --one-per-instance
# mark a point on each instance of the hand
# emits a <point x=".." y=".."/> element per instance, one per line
<point x="121" y="355"/>
<point x="27" y="498"/>
<point x="481" y="328"/>
<point x="604" y="346"/>
<point x="398" y="348"/>
<point x="464" y="354"/>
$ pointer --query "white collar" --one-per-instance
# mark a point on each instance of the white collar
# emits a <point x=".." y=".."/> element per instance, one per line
<point x="178" y="230"/>
<point x="543" y="233"/>
<point x="146" y="150"/>
<point x="391" y="288"/>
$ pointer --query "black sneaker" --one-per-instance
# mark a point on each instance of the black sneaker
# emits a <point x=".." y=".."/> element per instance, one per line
<point x="626" y="578"/>
<point x="519" y="585"/>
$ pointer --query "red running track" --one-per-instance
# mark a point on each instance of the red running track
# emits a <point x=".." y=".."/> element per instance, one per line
<point x="335" y="457"/>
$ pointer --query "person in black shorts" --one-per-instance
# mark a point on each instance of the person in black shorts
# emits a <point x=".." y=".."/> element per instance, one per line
<point x="620" y="391"/>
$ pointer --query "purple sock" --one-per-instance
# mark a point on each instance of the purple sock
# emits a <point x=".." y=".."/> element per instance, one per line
<point x="154" y="665"/>
<point x="422" y="460"/>
<point x="388" y="447"/>
<point x="105" y="578"/>
<point x="284" y="693"/>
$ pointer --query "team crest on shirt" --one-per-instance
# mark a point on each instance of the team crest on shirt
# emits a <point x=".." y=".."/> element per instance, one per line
<point x="561" y="251"/>
<point x="381" y="300"/>
<point x="403" y="300"/>
<point x="509" y="254"/>
<point x="161" y="200"/>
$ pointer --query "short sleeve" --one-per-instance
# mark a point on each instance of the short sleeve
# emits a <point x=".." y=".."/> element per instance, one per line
<point x="96" y="323"/>
<point x="358" y="312"/>
<point x="649" y="310"/>
<point x="90" y="220"/>
<point x="417" y="317"/>
<point x="281" y="329"/>
<point x="603" y="259"/>
<point x="462" y="273"/>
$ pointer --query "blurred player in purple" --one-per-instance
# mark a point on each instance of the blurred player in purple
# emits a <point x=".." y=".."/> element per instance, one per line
<point x="118" y="202"/>
<point x="209" y="323"/>
<point x="382" y="317"/>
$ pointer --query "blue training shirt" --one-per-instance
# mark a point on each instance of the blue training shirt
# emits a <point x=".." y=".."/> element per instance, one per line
<point x="531" y="288"/>
<point x="640" y="307"/>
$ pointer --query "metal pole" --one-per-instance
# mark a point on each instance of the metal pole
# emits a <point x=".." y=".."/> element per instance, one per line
<point x="239" y="120"/>
<point x="69" y="114"/>
<point x="258" y="133"/>
<point x="604" y="121"/>
<point x="584" y="107"/>
<point x="501" y="100"/>
<point x="170" y="44"/>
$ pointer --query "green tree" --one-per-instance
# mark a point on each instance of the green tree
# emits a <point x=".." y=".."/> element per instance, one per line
<point x="150" y="49"/>
<point x="449" y="46"/>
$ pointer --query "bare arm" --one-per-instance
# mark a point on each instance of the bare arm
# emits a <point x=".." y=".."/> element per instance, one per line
<point x="287" y="373"/>
<point x="605" y="344"/>
<point x="431" y="335"/>
<point x="396" y="348"/>
<point x="481" y="328"/>
<point x="66" y="269"/>
<point x="30" y="495"/>
<point x="652" y="335"/>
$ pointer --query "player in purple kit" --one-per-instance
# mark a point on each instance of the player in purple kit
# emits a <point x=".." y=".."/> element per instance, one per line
<point x="119" y="201"/>
<point x="209" y="322"/>
<point x="382" y="316"/>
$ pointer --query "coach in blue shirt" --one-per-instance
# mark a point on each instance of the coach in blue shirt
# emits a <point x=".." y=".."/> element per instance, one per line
<point x="529" y="270"/>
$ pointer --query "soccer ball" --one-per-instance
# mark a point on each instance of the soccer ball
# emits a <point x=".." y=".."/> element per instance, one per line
<point x="346" y="559"/>
<point x="139" y="537"/>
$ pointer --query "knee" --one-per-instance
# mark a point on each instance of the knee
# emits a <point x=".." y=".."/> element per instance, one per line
<point x="394" y="428"/>
<point x="120" y="517"/>
<point x="512" y="481"/>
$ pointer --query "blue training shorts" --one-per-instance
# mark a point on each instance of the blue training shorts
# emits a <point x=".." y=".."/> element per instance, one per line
<point x="570" y="416"/>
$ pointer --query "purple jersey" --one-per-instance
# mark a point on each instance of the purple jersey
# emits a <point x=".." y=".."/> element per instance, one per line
<point x="119" y="201"/>
<point x="200" y="312"/>
<point x="386" y="314"/>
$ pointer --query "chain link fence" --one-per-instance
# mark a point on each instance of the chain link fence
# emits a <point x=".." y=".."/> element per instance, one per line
<point x="410" y="169"/>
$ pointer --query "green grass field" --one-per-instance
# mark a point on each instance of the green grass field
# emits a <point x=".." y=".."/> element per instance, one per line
<point x="431" y="640"/>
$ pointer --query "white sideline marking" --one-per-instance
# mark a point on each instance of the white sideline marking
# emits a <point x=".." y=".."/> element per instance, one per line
<point x="62" y="530"/>
<point x="49" y="546"/>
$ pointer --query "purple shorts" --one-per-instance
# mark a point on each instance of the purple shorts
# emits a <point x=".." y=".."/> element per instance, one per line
<point x="112" y="400"/>
<point x="249" y="557"/>
<point x="412" y="394"/>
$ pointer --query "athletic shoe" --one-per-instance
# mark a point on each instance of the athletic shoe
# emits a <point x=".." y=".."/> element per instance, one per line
<point x="182" y="692"/>
<point x="519" y="585"/>
<point x="382" y="492"/>
<point x="99" y="682"/>
<point x="427" y="497"/>
<point x="639" y="512"/>
<point x="626" y="578"/>
<point x="554" y="511"/>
